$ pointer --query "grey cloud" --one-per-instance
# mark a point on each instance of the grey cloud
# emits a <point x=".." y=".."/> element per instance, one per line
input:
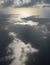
<point x="40" y="20"/>
<point x="7" y="3"/>
<point x="47" y="1"/>
<point x="39" y="37"/>
<point x="46" y="6"/>
<point x="5" y="40"/>
<point x="29" y="34"/>
<point x="32" y="3"/>
<point x="42" y="57"/>
<point x="14" y="3"/>
<point x="22" y="3"/>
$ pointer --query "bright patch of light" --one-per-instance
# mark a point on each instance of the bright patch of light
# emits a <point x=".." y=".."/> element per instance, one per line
<point x="24" y="14"/>
<point x="31" y="23"/>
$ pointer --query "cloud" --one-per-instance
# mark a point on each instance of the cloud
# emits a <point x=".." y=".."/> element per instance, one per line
<point x="23" y="3"/>
<point x="47" y="1"/>
<point x="30" y="34"/>
<point x="47" y="5"/>
<point x="41" y="5"/>
<point x="13" y="3"/>
<point x="31" y="23"/>
<point x="42" y="57"/>
<point x="38" y="37"/>
<point x="5" y="40"/>
<point x="40" y="19"/>
<point x="7" y="3"/>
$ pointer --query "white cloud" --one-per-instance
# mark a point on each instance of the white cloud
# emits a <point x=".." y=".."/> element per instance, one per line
<point x="31" y="23"/>
<point x="26" y="1"/>
<point x="20" y="3"/>
<point x="20" y="49"/>
<point x="17" y="3"/>
<point x="1" y="1"/>
<point x="41" y="5"/>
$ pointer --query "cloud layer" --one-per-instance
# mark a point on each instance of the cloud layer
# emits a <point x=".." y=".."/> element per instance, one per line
<point x="34" y="33"/>
<point x="5" y="40"/>
<point x="24" y="3"/>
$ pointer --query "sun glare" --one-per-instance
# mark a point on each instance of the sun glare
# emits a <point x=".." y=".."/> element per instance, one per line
<point x="24" y="14"/>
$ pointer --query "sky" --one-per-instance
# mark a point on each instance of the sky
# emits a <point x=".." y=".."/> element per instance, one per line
<point x="24" y="32"/>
